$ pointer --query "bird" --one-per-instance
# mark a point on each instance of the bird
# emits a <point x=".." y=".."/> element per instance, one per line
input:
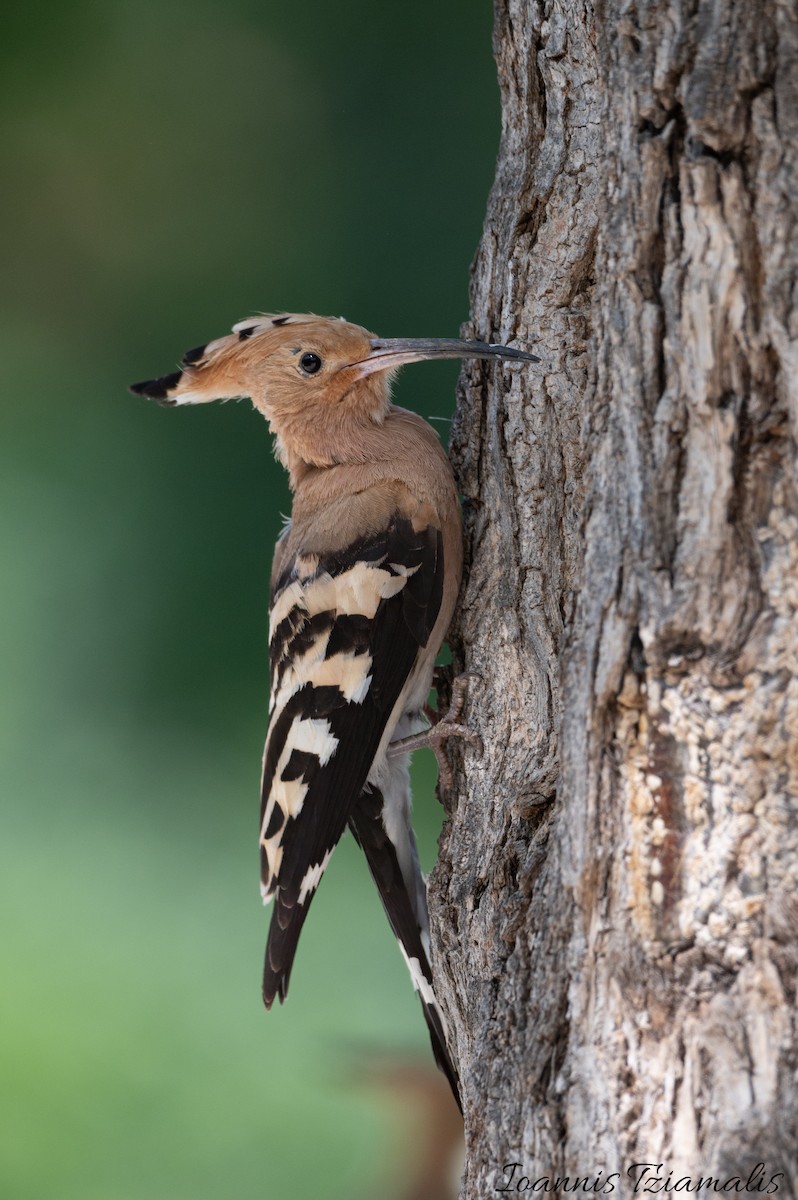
<point x="364" y="583"/>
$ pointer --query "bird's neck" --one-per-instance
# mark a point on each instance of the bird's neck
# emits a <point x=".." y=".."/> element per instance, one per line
<point x="334" y="439"/>
<point x="404" y="448"/>
<point x="339" y="429"/>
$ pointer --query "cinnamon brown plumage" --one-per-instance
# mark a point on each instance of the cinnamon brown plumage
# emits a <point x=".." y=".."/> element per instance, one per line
<point x="364" y="584"/>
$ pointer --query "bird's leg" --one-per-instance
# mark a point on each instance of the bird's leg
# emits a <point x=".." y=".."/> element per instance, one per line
<point x="443" y="726"/>
<point x="442" y="676"/>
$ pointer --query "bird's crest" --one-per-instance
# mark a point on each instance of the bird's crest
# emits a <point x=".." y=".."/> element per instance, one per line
<point x="225" y="368"/>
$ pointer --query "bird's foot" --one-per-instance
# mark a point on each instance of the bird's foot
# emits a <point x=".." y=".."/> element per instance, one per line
<point x="443" y="726"/>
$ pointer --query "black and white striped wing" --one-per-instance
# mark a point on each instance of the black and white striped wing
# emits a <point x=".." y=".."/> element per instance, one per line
<point x="346" y="631"/>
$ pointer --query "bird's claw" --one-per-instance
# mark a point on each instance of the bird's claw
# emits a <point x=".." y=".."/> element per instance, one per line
<point x="443" y="727"/>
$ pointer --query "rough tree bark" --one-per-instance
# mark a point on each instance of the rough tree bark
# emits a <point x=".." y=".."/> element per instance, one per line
<point x="615" y="904"/>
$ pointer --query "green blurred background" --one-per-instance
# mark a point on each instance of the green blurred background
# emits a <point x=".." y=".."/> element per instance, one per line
<point x="172" y="167"/>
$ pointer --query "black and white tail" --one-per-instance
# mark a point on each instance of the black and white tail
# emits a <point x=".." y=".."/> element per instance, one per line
<point x="381" y="826"/>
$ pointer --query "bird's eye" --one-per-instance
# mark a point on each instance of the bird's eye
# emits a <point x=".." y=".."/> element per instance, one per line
<point x="310" y="363"/>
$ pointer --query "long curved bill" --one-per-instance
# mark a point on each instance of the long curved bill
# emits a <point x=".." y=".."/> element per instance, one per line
<point x="388" y="353"/>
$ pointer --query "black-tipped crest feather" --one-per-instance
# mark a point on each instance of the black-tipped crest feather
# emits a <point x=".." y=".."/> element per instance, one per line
<point x="157" y="389"/>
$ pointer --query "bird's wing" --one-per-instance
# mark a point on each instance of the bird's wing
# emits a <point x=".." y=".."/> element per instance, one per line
<point x="346" y="632"/>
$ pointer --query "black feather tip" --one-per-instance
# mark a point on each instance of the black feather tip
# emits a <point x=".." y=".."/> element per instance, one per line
<point x="157" y="389"/>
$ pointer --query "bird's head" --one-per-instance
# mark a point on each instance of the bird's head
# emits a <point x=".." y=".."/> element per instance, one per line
<point x="308" y="375"/>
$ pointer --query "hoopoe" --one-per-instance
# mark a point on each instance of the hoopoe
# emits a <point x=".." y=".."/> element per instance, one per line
<point x="363" y="587"/>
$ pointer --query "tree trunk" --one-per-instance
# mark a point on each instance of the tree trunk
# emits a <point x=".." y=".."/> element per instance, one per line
<point x="615" y="904"/>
